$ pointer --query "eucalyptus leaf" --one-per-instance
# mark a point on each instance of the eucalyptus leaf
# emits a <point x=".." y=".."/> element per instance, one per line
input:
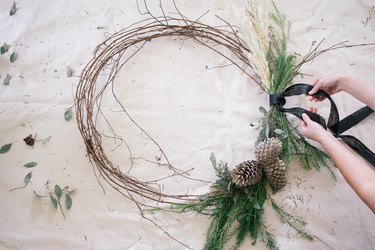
<point x="30" y="164"/>
<point x="58" y="191"/>
<point x="283" y="136"/>
<point x="54" y="201"/>
<point x="267" y="132"/>
<point x="229" y="186"/>
<point x="13" y="57"/>
<point x="213" y="160"/>
<point x="5" y="148"/>
<point x="13" y="10"/>
<point x="4" y="49"/>
<point x="27" y="178"/>
<point x="263" y="110"/>
<point x="279" y="131"/>
<point x="7" y="80"/>
<point x="68" y="201"/>
<point x="69" y="72"/>
<point x="256" y="205"/>
<point x="68" y="115"/>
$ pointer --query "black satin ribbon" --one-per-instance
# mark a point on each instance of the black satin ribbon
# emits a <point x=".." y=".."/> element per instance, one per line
<point x="334" y="124"/>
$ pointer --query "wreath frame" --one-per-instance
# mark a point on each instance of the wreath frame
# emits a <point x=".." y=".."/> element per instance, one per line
<point x="110" y="53"/>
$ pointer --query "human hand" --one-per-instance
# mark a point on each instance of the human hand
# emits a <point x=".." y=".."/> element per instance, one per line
<point x="330" y="84"/>
<point x="311" y="129"/>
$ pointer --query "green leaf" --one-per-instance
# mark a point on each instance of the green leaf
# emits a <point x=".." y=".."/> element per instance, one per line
<point x="256" y="205"/>
<point x="267" y="131"/>
<point x="30" y="164"/>
<point x="263" y="110"/>
<point x="13" y="57"/>
<point x="27" y="178"/>
<point x="69" y="72"/>
<point x="5" y="148"/>
<point x="7" y="80"/>
<point x="68" y="201"/>
<point x="281" y="134"/>
<point x="37" y="195"/>
<point x="13" y="10"/>
<point x="229" y="186"/>
<point x="54" y="201"/>
<point x="68" y="115"/>
<point x="4" y="49"/>
<point x="213" y="160"/>
<point x="58" y="191"/>
<point x="279" y="131"/>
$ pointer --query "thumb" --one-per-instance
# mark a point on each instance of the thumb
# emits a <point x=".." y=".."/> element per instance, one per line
<point x="306" y="119"/>
<point x="314" y="89"/>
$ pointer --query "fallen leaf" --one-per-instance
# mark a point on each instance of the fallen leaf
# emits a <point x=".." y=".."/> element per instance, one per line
<point x="68" y="201"/>
<point x="27" y="178"/>
<point x="13" y="10"/>
<point x="5" y="148"/>
<point x="13" y="57"/>
<point x="54" y="201"/>
<point x="58" y="191"/>
<point x="7" y="80"/>
<point x="4" y="49"/>
<point x="213" y="160"/>
<point x="69" y="72"/>
<point x="30" y="164"/>
<point x="68" y="115"/>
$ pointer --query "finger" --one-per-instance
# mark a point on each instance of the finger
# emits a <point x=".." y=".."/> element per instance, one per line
<point x="315" y="88"/>
<point x="315" y="81"/>
<point x="306" y="119"/>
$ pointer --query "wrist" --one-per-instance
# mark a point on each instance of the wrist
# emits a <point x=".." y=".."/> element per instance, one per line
<point x="327" y="139"/>
<point x="343" y="82"/>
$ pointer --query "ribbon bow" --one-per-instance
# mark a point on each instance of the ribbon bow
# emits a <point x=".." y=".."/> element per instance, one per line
<point x="334" y="123"/>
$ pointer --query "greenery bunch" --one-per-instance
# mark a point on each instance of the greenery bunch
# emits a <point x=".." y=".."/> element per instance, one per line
<point x="238" y="211"/>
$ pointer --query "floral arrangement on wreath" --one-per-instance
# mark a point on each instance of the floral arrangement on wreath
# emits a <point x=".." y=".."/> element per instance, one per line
<point x="239" y="196"/>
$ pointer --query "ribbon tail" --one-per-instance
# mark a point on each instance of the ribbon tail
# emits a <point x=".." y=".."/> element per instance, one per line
<point x="353" y="119"/>
<point x="359" y="147"/>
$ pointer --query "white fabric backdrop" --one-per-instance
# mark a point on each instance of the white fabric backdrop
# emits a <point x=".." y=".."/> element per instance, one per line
<point x="189" y="110"/>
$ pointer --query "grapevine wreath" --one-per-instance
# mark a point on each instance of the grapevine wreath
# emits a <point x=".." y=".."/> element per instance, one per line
<point x="238" y="198"/>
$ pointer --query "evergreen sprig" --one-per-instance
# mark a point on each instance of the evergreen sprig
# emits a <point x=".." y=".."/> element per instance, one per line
<point x="282" y="65"/>
<point x="296" y="222"/>
<point x="238" y="212"/>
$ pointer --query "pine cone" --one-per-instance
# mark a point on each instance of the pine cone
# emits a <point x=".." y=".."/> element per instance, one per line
<point x="246" y="173"/>
<point x="267" y="151"/>
<point x="276" y="174"/>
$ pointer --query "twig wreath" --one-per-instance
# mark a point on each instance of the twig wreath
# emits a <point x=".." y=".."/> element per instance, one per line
<point x="238" y="199"/>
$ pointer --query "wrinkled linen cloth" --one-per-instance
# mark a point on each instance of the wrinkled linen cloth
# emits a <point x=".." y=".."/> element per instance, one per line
<point x="183" y="95"/>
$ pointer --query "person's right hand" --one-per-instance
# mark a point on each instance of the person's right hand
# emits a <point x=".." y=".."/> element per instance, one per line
<point x="330" y="84"/>
<point x="311" y="129"/>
